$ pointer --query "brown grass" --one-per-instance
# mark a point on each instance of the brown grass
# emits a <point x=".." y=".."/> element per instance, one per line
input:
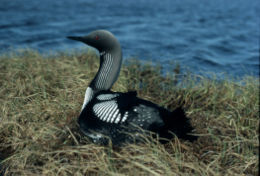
<point x="40" y="99"/>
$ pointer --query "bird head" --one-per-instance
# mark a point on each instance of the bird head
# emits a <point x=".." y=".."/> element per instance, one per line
<point x="102" y="40"/>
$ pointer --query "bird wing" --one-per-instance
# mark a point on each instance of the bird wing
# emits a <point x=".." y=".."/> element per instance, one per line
<point x="127" y="108"/>
<point x="113" y="107"/>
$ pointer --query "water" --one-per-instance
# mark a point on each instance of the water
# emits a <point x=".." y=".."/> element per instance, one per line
<point x="202" y="35"/>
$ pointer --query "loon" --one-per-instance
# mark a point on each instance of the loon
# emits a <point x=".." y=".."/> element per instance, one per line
<point x="108" y="115"/>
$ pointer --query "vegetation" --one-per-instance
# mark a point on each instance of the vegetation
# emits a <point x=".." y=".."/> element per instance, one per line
<point x="41" y="97"/>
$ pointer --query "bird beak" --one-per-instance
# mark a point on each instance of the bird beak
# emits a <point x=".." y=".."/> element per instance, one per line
<point x="84" y="39"/>
<point x="75" y="38"/>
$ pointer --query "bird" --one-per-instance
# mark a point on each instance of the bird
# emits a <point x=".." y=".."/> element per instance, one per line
<point x="122" y="118"/>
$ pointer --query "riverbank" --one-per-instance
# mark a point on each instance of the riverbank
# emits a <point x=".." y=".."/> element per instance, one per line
<point x="40" y="99"/>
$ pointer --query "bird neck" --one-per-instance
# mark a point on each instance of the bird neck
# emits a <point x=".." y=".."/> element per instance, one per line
<point x="108" y="72"/>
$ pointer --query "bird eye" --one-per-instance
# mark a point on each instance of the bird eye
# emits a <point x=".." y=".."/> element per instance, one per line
<point x="97" y="37"/>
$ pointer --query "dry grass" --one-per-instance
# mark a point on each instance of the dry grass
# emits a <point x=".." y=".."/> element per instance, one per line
<point x="40" y="99"/>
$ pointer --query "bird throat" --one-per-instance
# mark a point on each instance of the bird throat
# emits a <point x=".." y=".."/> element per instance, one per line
<point x="108" y="72"/>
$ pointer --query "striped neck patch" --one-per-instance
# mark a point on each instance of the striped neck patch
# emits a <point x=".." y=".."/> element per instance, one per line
<point x="104" y="72"/>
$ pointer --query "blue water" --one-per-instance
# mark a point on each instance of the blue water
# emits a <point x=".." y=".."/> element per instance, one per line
<point x="202" y="35"/>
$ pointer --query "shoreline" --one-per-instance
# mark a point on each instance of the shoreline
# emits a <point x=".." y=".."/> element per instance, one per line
<point x="166" y="67"/>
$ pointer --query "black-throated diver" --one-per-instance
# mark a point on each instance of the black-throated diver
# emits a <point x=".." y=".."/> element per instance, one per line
<point x="113" y="115"/>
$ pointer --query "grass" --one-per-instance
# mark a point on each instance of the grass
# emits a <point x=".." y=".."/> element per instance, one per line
<point x="41" y="97"/>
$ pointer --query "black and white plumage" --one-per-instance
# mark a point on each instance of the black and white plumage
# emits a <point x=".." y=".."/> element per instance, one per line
<point x="117" y="116"/>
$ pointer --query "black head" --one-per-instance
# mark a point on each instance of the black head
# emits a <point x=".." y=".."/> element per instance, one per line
<point x="102" y="40"/>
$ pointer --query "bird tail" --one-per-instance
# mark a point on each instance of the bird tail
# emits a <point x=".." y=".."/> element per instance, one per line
<point x="178" y="124"/>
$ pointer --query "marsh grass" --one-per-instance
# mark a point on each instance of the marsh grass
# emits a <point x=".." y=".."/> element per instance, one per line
<point x="41" y="97"/>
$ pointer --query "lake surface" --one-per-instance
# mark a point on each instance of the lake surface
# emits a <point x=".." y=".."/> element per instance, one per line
<point x="202" y="35"/>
